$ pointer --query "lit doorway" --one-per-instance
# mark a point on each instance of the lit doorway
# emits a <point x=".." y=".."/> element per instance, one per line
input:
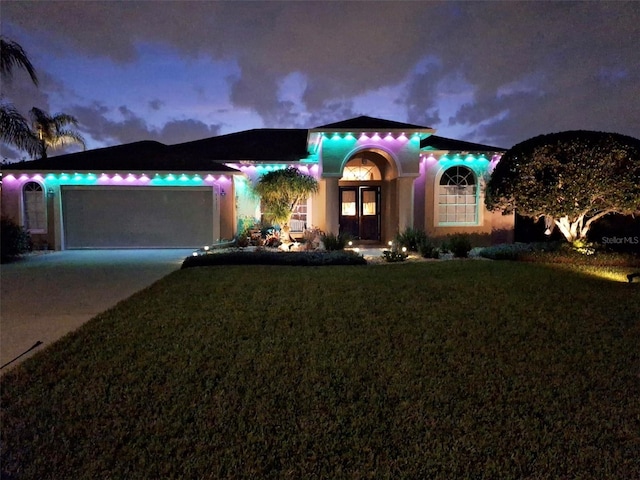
<point x="360" y="212"/>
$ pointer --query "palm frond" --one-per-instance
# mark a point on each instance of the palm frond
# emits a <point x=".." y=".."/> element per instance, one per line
<point x="62" y="119"/>
<point x="68" y="137"/>
<point x="12" y="55"/>
<point x="51" y="132"/>
<point x="15" y="130"/>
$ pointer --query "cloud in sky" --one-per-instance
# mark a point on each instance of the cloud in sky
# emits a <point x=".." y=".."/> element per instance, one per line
<point x="492" y="72"/>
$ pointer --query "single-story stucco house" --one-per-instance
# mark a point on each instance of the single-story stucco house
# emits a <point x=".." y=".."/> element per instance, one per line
<point x="376" y="178"/>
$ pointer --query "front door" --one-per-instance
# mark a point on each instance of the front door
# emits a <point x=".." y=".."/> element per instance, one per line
<point x="360" y="212"/>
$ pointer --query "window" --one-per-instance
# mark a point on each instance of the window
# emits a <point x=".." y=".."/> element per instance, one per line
<point x="458" y="197"/>
<point x="34" y="207"/>
<point x="369" y="202"/>
<point x="349" y="203"/>
<point x="361" y="170"/>
<point x="299" y="217"/>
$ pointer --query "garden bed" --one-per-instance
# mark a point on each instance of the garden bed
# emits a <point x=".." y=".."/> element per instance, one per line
<point x="263" y="256"/>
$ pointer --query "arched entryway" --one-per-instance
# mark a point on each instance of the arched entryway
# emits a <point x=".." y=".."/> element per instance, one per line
<point x="365" y="195"/>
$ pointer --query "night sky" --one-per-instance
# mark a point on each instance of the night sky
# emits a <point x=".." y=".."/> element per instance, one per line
<point x="488" y="72"/>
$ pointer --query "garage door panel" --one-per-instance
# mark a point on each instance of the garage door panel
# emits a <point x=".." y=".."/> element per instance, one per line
<point x="140" y="217"/>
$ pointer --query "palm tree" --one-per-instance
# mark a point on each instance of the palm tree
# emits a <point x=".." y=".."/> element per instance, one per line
<point x="50" y="130"/>
<point x="14" y="128"/>
<point x="281" y="191"/>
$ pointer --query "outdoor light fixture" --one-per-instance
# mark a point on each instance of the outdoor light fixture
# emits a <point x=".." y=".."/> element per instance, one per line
<point x="50" y="192"/>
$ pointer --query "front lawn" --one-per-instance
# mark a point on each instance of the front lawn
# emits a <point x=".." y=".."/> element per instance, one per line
<point x="458" y="369"/>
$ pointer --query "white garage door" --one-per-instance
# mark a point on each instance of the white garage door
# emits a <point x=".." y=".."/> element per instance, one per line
<point x="138" y="217"/>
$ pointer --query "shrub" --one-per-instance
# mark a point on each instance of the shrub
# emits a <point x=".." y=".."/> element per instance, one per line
<point x="429" y="250"/>
<point x="412" y="238"/>
<point x="393" y="256"/>
<point x="559" y="252"/>
<point x="243" y="239"/>
<point x="312" y="238"/>
<point x="584" y="247"/>
<point x="334" y="242"/>
<point x="506" y="251"/>
<point x="15" y="240"/>
<point x="262" y="257"/>
<point x="459" y="244"/>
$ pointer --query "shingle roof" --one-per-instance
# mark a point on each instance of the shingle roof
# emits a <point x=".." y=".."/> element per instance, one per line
<point x="210" y="154"/>
<point x="435" y="142"/>
<point x="130" y="156"/>
<point x="370" y="123"/>
<point x="265" y="144"/>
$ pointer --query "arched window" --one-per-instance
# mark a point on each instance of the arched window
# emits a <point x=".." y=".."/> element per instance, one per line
<point x="361" y="169"/>
<point x="34" y="207"/>
<point x="458" y="197"/>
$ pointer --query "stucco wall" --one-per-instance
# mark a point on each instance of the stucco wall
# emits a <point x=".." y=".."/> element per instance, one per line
<point x="337" y="150"/>
<point x="491" y="228"/>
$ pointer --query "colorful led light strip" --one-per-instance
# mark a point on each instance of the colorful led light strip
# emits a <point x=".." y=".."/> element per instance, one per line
<point x="117" y="178"/>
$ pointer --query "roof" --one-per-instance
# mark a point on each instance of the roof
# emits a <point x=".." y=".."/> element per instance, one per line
<point x="264" y="144"/>
<point x="434" y="142"/>
<point x="211" y="154"/>
<point x="370" y="123"/>
<point x="130" y="156"/>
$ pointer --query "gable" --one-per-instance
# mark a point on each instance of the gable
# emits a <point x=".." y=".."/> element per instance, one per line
<point x="364" y="123"/>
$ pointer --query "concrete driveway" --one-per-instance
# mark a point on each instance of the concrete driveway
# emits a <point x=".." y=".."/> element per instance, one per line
<point x="45" y="296"/>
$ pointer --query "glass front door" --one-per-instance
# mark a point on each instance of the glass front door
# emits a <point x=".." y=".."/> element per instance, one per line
<point x="360" y="212"/>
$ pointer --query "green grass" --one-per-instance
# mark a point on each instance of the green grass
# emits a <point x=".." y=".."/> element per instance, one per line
<point x="459" y="369"/>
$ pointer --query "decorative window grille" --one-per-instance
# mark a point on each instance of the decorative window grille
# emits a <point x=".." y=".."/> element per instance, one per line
<point x="360" y="172"/>
<point x="34" y="207"/>
<point x="458" y="197"/>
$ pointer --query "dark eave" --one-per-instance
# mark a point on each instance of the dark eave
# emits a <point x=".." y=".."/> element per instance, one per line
<point x="434" y="142"/>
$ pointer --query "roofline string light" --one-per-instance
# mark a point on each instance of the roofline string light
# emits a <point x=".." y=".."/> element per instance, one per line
<point x="375" y="136"/>
<point x="457" y="158"/>
<point x="304" y="168"/>
<point x="138" y="179"/>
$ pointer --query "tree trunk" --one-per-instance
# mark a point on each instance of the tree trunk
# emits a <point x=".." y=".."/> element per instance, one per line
<point x="573" y="229"/>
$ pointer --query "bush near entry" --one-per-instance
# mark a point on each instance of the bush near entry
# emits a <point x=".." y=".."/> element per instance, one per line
<point x="15" y="240"/>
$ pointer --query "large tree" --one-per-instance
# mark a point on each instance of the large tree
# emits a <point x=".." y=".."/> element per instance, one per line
<point x="52" y="130"/>
<point x="571" y="178"/>
<point x="14" y="128"/>
<point x="281" y="191"/>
